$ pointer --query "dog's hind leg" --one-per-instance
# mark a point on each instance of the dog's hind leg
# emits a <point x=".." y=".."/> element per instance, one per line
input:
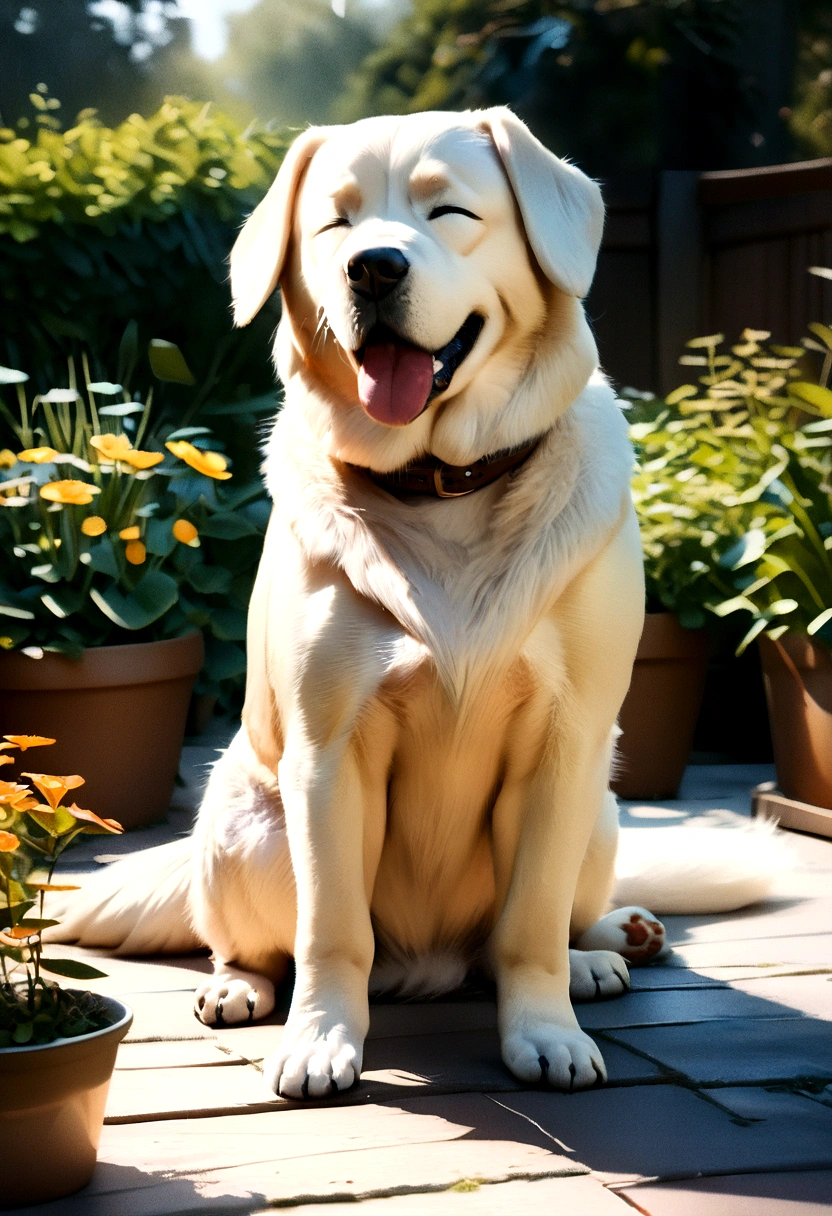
<point x="243" y="890"/>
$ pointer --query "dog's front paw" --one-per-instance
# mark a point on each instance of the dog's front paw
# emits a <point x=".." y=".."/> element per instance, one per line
<point x="634" y="933"/>
<point x="595" y="974"/>
<point x="314" y="1064"/>
<point x="232" y="997"/>
<point x="564" y="1058"/>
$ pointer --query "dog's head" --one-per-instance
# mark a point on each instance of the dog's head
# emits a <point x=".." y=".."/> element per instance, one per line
<point x="417" y="257"/>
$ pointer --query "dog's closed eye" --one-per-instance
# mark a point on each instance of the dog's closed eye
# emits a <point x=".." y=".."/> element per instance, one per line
<point x="449" y="209"/>
<point x="340" y="221"/>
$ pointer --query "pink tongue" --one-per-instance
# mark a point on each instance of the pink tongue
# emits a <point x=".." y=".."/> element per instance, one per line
<point x="394" y="382"/>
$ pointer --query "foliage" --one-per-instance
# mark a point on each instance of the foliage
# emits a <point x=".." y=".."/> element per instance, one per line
<point x="617" y="84"/>
<point x="811" y="116"/>
<point x="35" y="829"/>
<point x="732" y="487"/>
<point x="133" y="223"/>
<point x="106" y="540"/>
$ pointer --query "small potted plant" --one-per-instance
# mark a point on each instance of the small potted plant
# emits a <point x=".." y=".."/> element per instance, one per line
<point x="57" y="1045"/>
<point x="780" y="572"/>
<point x="706" y="454"/>
<point x="120" y="547"/>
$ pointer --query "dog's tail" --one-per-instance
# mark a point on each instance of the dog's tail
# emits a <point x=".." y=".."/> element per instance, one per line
<point x="699" y="869"/>
<point x="139" y="905"/>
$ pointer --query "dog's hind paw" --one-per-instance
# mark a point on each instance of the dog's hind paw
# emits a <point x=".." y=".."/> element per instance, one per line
<point x="314" y="1067"/>
<point x="232" y="997"/>
<point x="634" y="933"/>
<point x="595" y="974"/>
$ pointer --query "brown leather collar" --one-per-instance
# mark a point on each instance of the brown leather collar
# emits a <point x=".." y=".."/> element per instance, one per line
<point x="433" y="477"/>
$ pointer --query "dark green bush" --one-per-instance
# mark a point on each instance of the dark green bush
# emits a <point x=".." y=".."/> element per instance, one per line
<point x="100" y="226"/>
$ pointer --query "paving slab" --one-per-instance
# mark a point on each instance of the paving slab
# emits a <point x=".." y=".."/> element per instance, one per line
<point x="658" y="976"/>
<point x="313" y="1155"/>
<point x="772" y="919"/>
<point x="164" y="1015"/>
<point x="545" y="1197"/>
<point x="738" y="1049"/>
<point x="666" y="1131"/>
<point x="807" y="950"/>
<point x="176" y="1054"/>
<point x="138" y="1094"/>
<point x="667" y="1007"/>
<point x="125" y="976"/>
<point x="808" y="994"/>
<point x="796" y="1193"/>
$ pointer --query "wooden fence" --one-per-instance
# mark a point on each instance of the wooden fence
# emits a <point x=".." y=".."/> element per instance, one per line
<point x="688" y="253"/>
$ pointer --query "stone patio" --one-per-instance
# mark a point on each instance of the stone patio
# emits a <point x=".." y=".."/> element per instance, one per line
<point x="719" y="1099"/>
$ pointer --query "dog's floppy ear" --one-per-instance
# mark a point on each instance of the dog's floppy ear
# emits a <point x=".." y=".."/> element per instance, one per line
<point x="260" y="249"/>
<point x="562" y="208"/>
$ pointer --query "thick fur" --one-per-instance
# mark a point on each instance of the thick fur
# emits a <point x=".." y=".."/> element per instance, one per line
<point x="421" y="781"/>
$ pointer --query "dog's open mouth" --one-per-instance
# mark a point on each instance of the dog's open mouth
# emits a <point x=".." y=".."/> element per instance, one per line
<point x="397" y="381"/>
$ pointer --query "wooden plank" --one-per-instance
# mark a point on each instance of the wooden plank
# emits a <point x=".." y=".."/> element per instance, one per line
<point x="719" y="187"/>
<point x="768" y="803"/>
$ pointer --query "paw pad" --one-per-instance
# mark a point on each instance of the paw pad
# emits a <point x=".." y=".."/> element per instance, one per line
<point x="645" y="938"/>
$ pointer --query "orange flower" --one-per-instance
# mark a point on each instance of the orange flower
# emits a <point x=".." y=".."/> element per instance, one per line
<point x="73" y="493"/>
<point x="144" y="460"/>
<point x="211" y="464"/>
<point x="119" y="447"/>
<point x="185" y="531"/>
<point x="109" y="825"/>
<point x="26" y="741"/>
<point x="54" y="788"/>
<point x="111" y="447"/>
<point x="8" y="842"/>
<point x="18" y="797"/>
<point x="93" y="525"/>
<point x="6" y="759"/>
<point x="131" y="533"/>
<point x="37" y="455"/>
<point x="7" y="459"/>
<point x="135" y="552"/>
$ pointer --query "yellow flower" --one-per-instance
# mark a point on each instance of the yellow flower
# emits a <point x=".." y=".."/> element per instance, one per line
<point x="24" y="742"/>
<point x="211" y="464"/>
<point x="7" y="643"/>
<point x="143" y="460"/>
<point x="185" y="531"/>
<point x="73" y="493"/>
<point x="7" y="459"/>
<point x="54" y="788"/>
<point x="135" y="552"/>
<point x="131" y="533"/>
<point x="94" y="525"/>
<point x="37" y="455"/>
<point x="8" y="842"/>
<point x="119" y="447"/>
<point x="112" y="447"/>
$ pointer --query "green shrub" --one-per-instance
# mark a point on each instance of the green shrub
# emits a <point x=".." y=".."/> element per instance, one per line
<point x="100" y="227"/>
<point x="731" y="488"/>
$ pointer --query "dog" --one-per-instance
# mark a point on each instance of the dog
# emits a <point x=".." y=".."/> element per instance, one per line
<point x="443" y="624"/>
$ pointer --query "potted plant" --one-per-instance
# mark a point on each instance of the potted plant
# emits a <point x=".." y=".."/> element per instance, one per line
<point x="57" y="1045"/>
<point x="705" y="457"/>
<point x="780" y="572"/>
<point x="120" y="546"/>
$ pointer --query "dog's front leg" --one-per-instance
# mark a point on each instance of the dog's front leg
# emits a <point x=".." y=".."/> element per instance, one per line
<point x="322" y="1044"/>
<point x="549" y="819"/>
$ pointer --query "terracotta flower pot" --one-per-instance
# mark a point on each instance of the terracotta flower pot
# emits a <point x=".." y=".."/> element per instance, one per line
<point x="118" y="715"/>
<point x="659" y="713"/>
<point x="798" y="677"/>
<point x="52" y="1100"/>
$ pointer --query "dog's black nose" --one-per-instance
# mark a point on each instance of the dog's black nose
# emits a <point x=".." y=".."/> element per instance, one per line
<point x="375" y="272"/>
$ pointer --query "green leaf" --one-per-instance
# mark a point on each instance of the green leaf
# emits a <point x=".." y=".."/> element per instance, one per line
<point x="210" y="580"/>
<point x="227" y="527"/>
<point x="10" y="916"/>
<point x="153" y="597"/>
<point x="72" y="969"/>
<point x="63" y="601"/>
<point x="159" y="537"/>
<point x="37" y="924"/>
<point x="22" y="614"/>
<point x="819" y="621"/>
<point x="8" y="375"/>
<point x="749" y="548"/>
<point x="681" y="393"/>
<point x="102" y="558"/>
<point x="251" y="405"/>
<point x="224" y="660"/>
<point x="229" y="624"/>
<point x="168" y="362"/>
<point x="823" y="332"/>
<point x="23" y="1033"/>
<point x="814" y="394"/>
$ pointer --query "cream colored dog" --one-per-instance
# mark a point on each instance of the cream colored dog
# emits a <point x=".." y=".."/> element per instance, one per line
<point x="421" y="780"/>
